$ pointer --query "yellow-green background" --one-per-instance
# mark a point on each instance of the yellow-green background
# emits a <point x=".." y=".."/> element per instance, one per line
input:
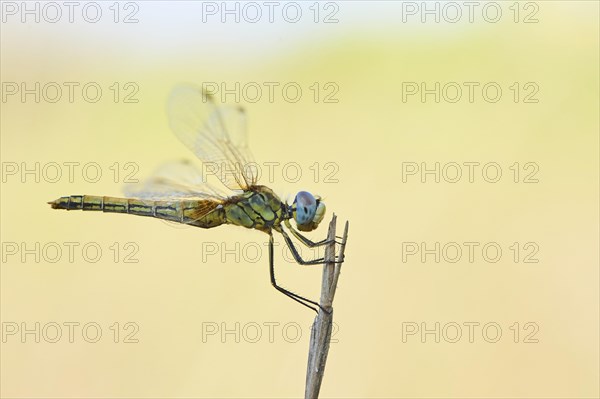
<point x="170" y="293"/>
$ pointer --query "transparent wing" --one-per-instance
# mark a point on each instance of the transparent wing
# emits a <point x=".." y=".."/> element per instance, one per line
<point x="177" y="181"/>
<point x="216" y="134"/>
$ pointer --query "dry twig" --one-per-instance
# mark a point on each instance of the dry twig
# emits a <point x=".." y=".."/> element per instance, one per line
<point x="321" y="328"/>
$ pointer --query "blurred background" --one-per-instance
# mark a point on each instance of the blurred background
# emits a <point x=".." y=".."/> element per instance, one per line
<point x="460" y="141"/>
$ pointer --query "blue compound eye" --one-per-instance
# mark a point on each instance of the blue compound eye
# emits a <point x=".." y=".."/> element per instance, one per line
<point x="306" y="207"/>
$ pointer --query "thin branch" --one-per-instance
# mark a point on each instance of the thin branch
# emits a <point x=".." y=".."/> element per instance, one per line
<point x="321" y="328"/>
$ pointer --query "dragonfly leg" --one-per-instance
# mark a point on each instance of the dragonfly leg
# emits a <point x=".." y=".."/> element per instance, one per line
<point x="305" y="240"/>
<point x="297" y="257"/>
<point x="300" y="299"/>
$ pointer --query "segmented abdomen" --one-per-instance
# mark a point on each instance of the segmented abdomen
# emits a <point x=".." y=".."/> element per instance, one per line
<point x="204" y="213"/>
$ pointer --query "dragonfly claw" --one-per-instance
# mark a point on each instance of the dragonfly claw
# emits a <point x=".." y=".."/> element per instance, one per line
<point x="327" y="311"/>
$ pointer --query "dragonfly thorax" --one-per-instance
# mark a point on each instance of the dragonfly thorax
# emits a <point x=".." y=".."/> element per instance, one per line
<point x="257" y="208"/>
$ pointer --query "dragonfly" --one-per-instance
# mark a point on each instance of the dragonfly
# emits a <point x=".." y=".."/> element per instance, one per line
<point x="179" y="192"/>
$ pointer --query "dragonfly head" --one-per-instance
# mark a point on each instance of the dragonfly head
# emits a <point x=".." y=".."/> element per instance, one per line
<point x="308" y="211"/>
